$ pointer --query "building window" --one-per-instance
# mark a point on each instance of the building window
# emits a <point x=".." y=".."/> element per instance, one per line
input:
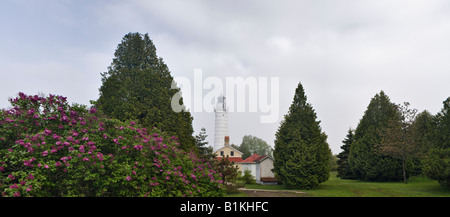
<point x="232" y="153"/>
<point x="221" y="153"/>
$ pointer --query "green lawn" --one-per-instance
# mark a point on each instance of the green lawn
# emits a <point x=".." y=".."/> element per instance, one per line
<point x="336" y="187"/>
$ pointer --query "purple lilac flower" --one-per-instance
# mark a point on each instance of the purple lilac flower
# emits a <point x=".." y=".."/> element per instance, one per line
<point x="30" y="176"/>
<point x="11" y="177"/>
<point x="47" y="132"/>
<point x="56" y="137"/>
<point x="92" y="110"/>
<point x="64" y="118"/>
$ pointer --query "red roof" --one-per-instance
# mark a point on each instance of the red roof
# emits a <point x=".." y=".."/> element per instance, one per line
<point x="232" y="159"/>
<point x="254" y="158"/>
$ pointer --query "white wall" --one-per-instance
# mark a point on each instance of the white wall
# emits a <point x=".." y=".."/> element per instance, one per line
<point x="249" y="166"/>
<point x="266" y="168"/>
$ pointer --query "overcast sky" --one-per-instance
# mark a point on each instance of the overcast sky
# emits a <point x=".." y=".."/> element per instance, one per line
<point x="343" y="52"/>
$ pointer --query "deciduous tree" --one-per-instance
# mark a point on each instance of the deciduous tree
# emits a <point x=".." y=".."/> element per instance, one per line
<point x="397" y="140"/>
<point x="252" y="144"/>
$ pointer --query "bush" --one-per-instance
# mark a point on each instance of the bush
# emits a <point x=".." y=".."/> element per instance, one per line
<point x="48" y="148"/>
<point x="248" y="178"/>
<point x="437" y="164"/>
<point x="229" y="173"/>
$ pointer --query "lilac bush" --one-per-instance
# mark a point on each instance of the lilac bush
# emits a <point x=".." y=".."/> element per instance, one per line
<point x="49" y="148"/>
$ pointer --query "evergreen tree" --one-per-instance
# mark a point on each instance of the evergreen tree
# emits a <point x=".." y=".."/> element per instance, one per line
<point x="422" y="129"/>
<point x="344" y="170"/>
<point x="301" y="155"/>
<point x="365" y="158"/>
<point x="205" y="152"/>
<point x="437" y="162"/>
<point x="422" y="134"/>
<point x="137" y="86"/>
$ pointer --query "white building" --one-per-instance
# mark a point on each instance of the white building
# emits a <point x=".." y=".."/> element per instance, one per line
<point x="221" y="125"/>
<point x="260" y="167"/>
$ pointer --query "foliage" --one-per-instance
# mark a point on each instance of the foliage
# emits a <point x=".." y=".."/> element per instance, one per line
<point x="344" y="171"/>
<point x="138" y="86"/>
<point x="397" y="140"/>
<point x="333" y="163"/>
<point x="365" y="158"/>
<point x="229" y="172"/>
<point x="422" y="130"/>
<point x="248" y="178"/>
<point x="48" y="148"/>
<point x="437" y="161"/>
<point x="422" y="134"/>
<point x="252" y="144"/>
<point x="301" y="152"/>
<point x="201" y="143"/>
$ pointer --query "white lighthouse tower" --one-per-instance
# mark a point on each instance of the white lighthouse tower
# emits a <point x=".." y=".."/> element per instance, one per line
<point x="221" y="127"/>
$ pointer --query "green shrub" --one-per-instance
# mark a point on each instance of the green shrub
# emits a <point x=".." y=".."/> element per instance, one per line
<point x="248" y="178"/>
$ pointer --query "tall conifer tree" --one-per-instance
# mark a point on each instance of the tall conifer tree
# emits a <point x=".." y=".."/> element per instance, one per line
<point x="301" y="151"/>
<point x="365" y="158"/>
<point x="137" y="86"/>
<point x="344" y="170"/>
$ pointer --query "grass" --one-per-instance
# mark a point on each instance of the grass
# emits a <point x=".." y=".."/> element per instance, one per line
<point x="335" y="187"/>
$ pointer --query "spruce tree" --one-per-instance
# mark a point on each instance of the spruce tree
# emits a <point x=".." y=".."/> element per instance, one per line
<point x="204" y="151"/>
<point x="137" y="86"/>
<point x="344" y="170"/>
<point x="301" y="155"/>
<point x="365" y="158"/>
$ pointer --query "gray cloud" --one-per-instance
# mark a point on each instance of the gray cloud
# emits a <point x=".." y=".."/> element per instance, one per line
<point x="343" y="52"/>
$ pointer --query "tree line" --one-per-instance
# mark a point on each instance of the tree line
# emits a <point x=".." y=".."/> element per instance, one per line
<point x="393" y="142"/>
